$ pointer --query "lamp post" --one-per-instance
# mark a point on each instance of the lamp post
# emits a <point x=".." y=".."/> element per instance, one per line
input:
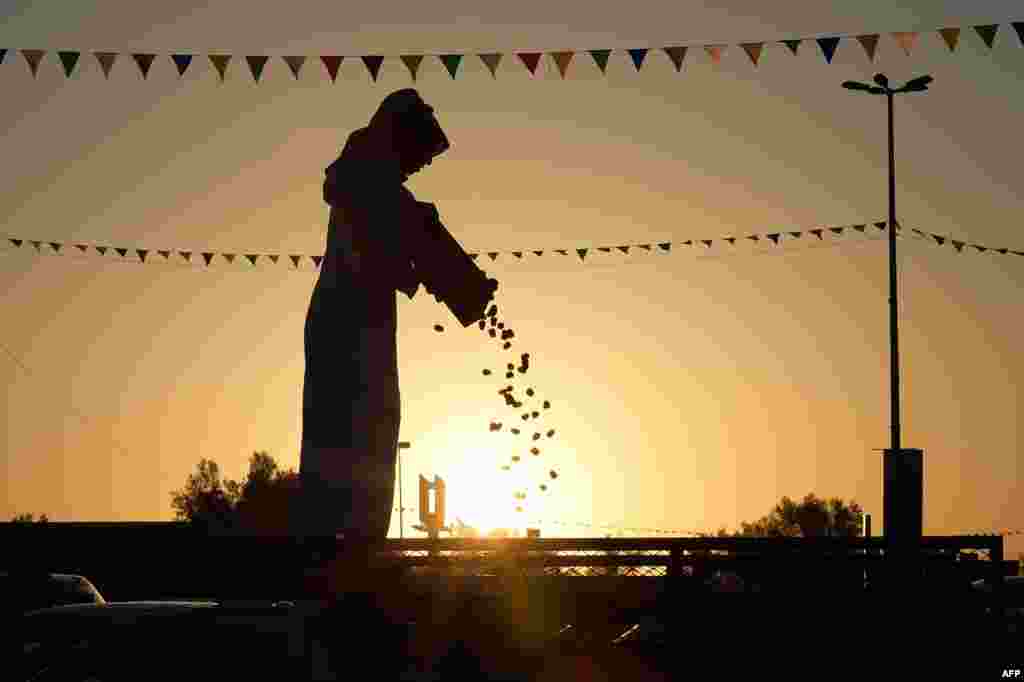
<point x="402" y="445"/>
<point x="903" y="469"/>
<point x="919" y="84"/>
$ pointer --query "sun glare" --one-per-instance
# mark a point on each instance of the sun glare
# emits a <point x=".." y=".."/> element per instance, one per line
<point x="483" y="496"/>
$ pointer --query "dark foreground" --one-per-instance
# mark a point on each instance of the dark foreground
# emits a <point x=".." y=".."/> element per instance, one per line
<point x="731" y="636"/>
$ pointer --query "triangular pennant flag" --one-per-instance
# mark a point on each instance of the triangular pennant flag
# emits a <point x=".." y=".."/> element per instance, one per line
<point x="491" y="60"/>
<point x="754" y="238"/>
<point x="676" y="54"/>
<point x="623" y="249"/>
<point x="860" y="228"/>
<point x="600" y="58"/>
<point x="182" y="61"/>
<point x="122" y="252"/>
<point x="106" y="60"/>
<point x="256" y="64"/>
<point x="828" y="47"/>
<point x="331" y="62"/>
<point x="82" y="247"/>
<point x="252" y="257"/>
<point x="493" y="255"/>
<point x="939" y="239"/>
<point x="295" y="63"/>
<point x="295" y="260"/>
<point x="707" y="242"/>
<point x="836" y="230"/>
<point x="605" y="249"/>
<point x="688" y="242"/>
<point x="220" y="61"/>
<point x="187" y="255"/>
<point x="55" y="246"/>
<point x="33" y="57"/>
<point x="581" y="253"/>
<point x="530" y="59"/>
<point x="817" y="232"/>
<point x="665" y="246"/>
<point x="207" y="256"/>
<point x="412" y="62"/>
<point x="474" y="256"/>
<point x="793" y="45"/>
<point x="1002" y="251"/>
<point x="517" y="254"/>
<point x="951" y="36"/>
<point x="102" y="250"/>
<point x="957" y="245"/>
<point x="753" y="51"/>
<point x="142" y="254"/>
<point x="715" y="51"/>
<point x="165" y="254"/>
<point x="881" y="225"/>
<point x="3" y="53"/>
<point x="796" y="234"/>
<point x="775" y="237"/>
<point x="273" y="258"/>
<point x="68" y="59"/>
<point x="987" y="33"/>
<point x="144" y="61"/>
<point x="317" y="260"/>
<point x="1017" y="253"/>
<point x="905" y="39"/>
<point x="731" y="240"/>
<point x="914" y="229"/>
<point x="981" y="249"/>
<point x="638" y="54"/>
<point x="562" y="251"/>
<point x="562" y="60"/>
<point x="451" y="62"/>
<point x="869" y="43"/>
<point x="373" y="63"/>
<point x="35" y="243"/>
<point x="538" y="253"/>
<point x="1018" y="26"/>
<point x="229" y="257"/>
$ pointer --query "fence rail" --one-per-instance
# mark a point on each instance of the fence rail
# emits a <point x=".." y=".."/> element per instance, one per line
<point x="186" y="551"/>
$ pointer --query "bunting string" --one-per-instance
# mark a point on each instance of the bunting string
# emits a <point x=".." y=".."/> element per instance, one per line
<point x="221" y="62"/>
<point x="204" y="259"/>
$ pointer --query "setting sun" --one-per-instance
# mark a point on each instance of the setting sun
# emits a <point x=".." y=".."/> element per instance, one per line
<point x="482" y="495"/>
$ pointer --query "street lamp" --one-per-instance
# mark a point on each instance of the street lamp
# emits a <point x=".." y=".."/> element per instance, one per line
<point x="904" y="473"/>
<point x="919" y="84"/>
<point x="402" y="445"/>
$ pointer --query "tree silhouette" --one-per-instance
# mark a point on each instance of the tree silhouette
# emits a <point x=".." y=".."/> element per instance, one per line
<point x="204" y="499"/>
<point x="29" y="518"/>
<point x="812" y="517"/>
<point x="267" y="496"/>
<point x="259" y="504"/>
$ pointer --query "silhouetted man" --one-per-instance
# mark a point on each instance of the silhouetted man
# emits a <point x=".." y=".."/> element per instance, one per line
<point x="350" y="402"/>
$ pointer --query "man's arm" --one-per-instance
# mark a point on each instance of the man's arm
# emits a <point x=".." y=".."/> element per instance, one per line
<point x="387" y="238"/>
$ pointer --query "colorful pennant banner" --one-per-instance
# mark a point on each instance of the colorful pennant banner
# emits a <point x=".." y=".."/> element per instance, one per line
<point x="581" y="252"/>
<point x="905" y="40"/>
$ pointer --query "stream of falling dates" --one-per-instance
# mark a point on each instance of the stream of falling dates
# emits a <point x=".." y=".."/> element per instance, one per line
<point x="494" y="329"/>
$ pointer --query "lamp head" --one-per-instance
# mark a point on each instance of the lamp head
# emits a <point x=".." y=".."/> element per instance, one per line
<point x="919" y="84"/>
<point x="881" y="80"/>
<point x="854" y="85"/>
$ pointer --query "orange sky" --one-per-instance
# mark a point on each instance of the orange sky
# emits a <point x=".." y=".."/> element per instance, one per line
<point x="689" y="391"/>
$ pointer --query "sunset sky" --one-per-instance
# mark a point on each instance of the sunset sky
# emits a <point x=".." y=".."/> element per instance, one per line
<point x="689" y="390"/>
